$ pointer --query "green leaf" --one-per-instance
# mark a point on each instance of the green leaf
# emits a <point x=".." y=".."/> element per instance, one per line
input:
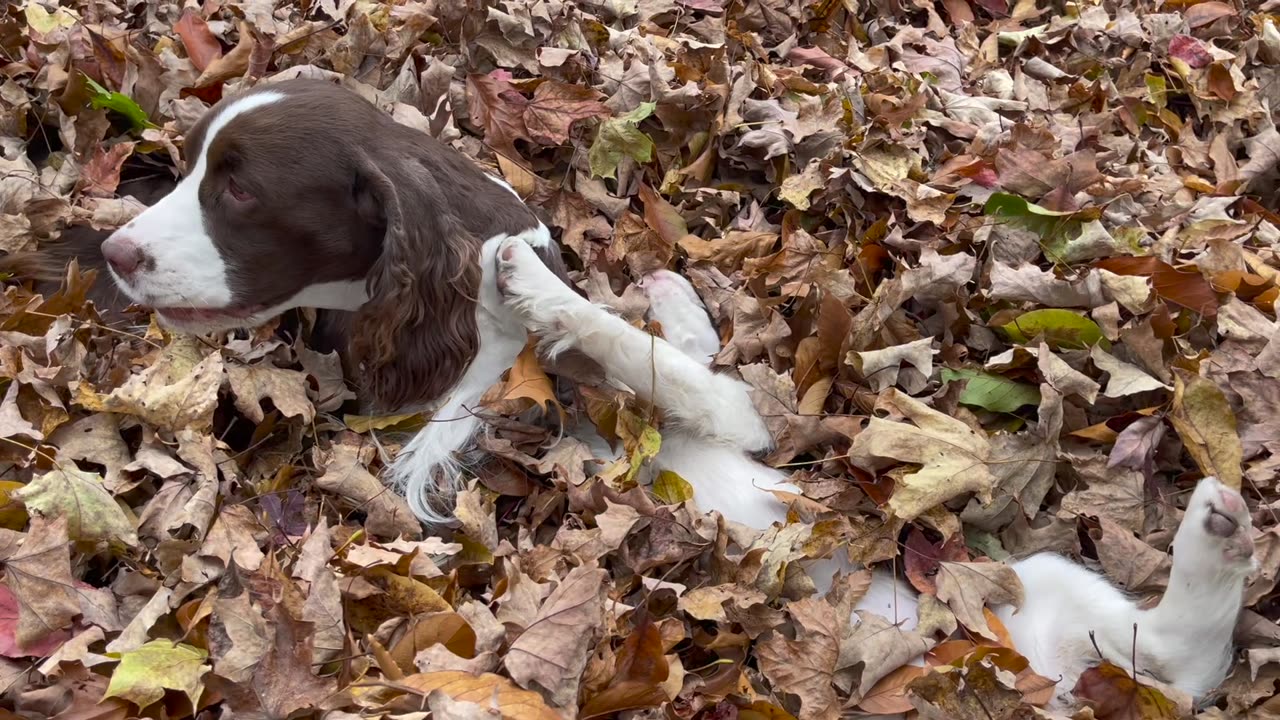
<point x="144" y="674"/>
<point x="647" y="447"/>
<point x="618" y="138"/>
<point x="992" y="392"/>
<point x="1059" y="328"/>
<point x="79" y="496"/>
<point x="123" y="104"/>
<point x="671" y="489"/>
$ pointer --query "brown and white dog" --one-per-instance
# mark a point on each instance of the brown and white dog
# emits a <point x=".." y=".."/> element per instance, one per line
<point x="303" y="194"/>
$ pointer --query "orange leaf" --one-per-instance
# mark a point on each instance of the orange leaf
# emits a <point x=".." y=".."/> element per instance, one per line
<point x="997" y="627"/>
<point x="202" y="47"/>
<point x="949" y="651"/>
<point x="889" y="695"/>
<point x="527" y="380"/>
<point x="1187" y="288"/>
<point x="637" y="682"/>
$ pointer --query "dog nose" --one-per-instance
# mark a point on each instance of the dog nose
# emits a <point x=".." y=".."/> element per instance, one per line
<point x="123" y="255"/>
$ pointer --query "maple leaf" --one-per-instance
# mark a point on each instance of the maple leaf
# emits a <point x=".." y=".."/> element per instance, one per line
<point x="145" y="673"/>
<point x="38" y="573"/>
<point x="952" y="456"/>
<point x="498" y="108"/>
<point x="80" y="498"/>
<point x="618" y="138"/>
<point x="552" y="650"/>
<point x="805" y="666"/>
<point x="556" y="106"/>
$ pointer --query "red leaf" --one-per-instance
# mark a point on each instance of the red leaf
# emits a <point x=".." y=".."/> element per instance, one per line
<point x="202" y="47"/>
<point x="9" y="628"/>
<point x="1189" y="50"/>
<point x="922" y="557"/>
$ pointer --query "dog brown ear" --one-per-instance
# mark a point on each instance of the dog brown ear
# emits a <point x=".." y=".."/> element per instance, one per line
<point x="417" y="333"/>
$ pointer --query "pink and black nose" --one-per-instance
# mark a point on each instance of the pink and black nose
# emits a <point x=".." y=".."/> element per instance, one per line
<point x="124" y="256"/>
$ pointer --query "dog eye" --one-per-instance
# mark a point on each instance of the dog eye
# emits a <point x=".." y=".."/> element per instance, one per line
<point x="237" y="192"/>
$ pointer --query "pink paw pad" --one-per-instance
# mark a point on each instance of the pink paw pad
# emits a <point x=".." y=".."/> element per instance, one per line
<point x="1232" y="502"/>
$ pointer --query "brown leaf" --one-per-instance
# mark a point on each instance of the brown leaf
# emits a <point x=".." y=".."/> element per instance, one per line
<point x="1202" y="14"/>
<point x="285" y="680"/>
<point x="347" y="476"/>
<point x="642" y="248"/>
<point x="552" y="651"/>
<point x="444" y="628"/>
<point x="1187" y="288"/>
<point x="287" y="390"/>
<point x="202" y="47"/>
<point x="968" y="586"/>
<point x="37" y="569"/>
<point x="804" y="667"/>
<point x="1114" y="695"/>
<point x="637" y="681"/>
<point x="487" y="690"/>
<point x="498" y="109"/>
<point x="556" y="106"/>
<point x="101" y="175"/>
<point x="922" y="557"/>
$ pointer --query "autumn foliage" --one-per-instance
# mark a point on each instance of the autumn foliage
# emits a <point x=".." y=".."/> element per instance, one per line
<point x="1003" y="274"/>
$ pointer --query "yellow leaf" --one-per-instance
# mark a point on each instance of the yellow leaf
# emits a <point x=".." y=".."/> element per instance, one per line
<point x="1207" y="427"/>
<point x="527" y="380"/>
<point x="816" y="396"/>
<point x="366" y="423"/>
<point x="487" y="690"/>
<point x="13" y="515"/>
<point x="144" y="674"/>
<point x="44" y="22"/>
<point x="951" y="455"/>
<point x="671" y="488"/>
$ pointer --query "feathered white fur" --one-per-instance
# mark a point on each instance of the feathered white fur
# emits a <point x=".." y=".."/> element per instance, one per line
<point x="1184" y="641"/>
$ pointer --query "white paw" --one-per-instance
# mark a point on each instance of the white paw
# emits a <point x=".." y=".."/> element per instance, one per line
<point x="685" y="324"/>
<point x="529" y="288"/>
<point x="1217" y="527"/>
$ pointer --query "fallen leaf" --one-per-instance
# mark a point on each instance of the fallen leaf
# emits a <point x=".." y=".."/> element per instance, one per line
<point x="967" y="587"/>
<point x="552" y="650"/>
<point x="1204" y="420"/>
<point x="38" y="573"/>
<point x="1114" y="695"/>
<point x="287" y="390"/>
<point x="201" y="45"/>
<point x="805" y="666"/>
<point x="511" y="702"/>
<point x="952" y="456"/>
<point x="145" y="673"/>
<point x="620" y="137"/>
<point x="81" y="499"/>
<point x="556" y="106"/>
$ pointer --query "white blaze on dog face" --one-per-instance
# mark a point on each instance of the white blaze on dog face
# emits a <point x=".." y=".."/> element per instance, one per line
<point x="183" y="266"/>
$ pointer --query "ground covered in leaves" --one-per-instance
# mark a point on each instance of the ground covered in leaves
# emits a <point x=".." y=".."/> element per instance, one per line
<point x="1053" y="221"/>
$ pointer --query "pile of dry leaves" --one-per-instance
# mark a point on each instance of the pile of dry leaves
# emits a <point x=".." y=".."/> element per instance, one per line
<point x="1053" y="221"/>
